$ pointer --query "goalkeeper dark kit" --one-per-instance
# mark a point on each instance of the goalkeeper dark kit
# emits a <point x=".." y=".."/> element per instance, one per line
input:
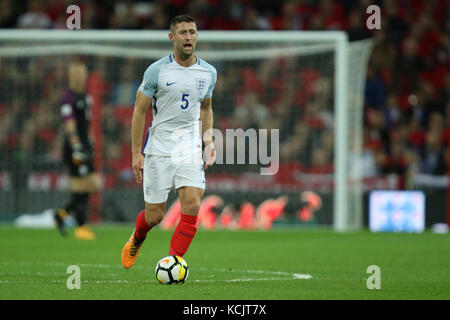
<point x="77" y="106"/>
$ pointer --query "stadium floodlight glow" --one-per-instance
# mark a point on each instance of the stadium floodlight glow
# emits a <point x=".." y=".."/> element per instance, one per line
<point x="349" y="62"/>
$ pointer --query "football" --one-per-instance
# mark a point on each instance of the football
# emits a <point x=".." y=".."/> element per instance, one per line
<point x="172" y="270"/>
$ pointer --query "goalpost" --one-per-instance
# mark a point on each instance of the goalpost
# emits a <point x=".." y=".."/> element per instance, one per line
<point x="320" y="71"/>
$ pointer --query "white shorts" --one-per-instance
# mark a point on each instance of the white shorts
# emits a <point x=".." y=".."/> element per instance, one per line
<point x="161" y="174"/>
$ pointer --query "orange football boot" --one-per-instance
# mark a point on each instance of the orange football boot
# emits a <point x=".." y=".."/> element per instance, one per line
<point x="131" y="250"/>
<point x="84" y="233"/>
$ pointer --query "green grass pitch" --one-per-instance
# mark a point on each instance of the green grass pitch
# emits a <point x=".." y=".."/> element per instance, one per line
<point x="283" y="264"/>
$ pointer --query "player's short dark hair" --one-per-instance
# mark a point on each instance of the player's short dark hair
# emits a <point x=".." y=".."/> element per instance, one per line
<point x="178" y="19"/>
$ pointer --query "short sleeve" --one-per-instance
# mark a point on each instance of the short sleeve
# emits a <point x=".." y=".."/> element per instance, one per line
<point x="150" y="82"/>
<point x="212" y="84"/>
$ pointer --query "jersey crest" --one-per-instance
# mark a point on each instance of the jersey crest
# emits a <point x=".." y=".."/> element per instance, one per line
<point x="201" y="85"/>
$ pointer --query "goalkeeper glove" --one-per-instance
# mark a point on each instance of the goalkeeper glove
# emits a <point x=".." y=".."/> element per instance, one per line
<point x="79" y="155"/>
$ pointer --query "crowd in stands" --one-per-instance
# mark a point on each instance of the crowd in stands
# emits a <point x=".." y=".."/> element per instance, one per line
<point x="406" y="95"/>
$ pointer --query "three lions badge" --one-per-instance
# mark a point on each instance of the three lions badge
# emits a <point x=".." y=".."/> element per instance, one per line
<point x="200" y="85"/>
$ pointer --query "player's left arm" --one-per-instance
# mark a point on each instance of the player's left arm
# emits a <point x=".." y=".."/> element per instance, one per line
<point x="206" y="118"/>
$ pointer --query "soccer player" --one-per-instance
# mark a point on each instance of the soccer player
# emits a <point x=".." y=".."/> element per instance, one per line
<point x="77" y="152"/>
<point x="179" y="87"/>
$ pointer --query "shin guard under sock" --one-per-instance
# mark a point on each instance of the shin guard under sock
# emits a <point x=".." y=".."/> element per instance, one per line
<point x="141" y="226"/>
<point x="183" y="235"/>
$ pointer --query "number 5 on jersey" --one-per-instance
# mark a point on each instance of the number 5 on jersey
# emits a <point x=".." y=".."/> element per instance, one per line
<point x="185" y="101"/>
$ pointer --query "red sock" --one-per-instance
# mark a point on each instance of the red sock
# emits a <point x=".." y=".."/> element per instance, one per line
<point x="183" y="235"/>
<point x="141" y="226"/>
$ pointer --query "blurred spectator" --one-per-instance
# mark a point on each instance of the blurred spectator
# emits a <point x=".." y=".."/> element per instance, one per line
<point x="392" y="112"/>
<point x="35" y="17"/>
<point x="8" y="15"/>
<point x="321" y="161"/>
<point x="124" y="90"/>
<point x="251" y="113"/>
<point x="432" y="157"/>
<point x="254" y="21"/>
<point x="356" y="28"/>
<point x="124" y="17"/>
<point x="375" y="90"/>
<point x="159" y="19"/>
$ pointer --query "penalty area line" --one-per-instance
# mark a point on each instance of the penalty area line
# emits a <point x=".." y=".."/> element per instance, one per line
<point x="304" y="276"/>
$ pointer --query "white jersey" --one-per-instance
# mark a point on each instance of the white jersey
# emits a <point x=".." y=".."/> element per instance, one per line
<point x="176" y="93"/>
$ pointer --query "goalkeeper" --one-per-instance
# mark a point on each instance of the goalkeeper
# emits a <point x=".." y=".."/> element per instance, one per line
<point x="77" y="152"/>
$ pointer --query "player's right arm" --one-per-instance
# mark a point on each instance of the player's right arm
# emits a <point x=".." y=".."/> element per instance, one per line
<point x="146" y="90"/>
<point x="137" y="131"/>
<point x="79" y="154"/>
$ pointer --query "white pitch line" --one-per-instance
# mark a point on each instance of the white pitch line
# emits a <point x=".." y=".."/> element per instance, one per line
<point x="284" y="273"/>
<point x="288" y="275"/>
<point x="253" y="279"/>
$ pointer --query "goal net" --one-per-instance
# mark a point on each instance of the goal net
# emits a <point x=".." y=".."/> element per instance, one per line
<point x="288" y="110"/>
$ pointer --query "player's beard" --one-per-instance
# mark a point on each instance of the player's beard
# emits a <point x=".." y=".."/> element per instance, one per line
<point x="184" y="55"/>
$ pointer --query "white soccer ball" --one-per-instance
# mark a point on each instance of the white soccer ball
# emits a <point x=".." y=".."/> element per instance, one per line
<point x="171" y="270"/>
